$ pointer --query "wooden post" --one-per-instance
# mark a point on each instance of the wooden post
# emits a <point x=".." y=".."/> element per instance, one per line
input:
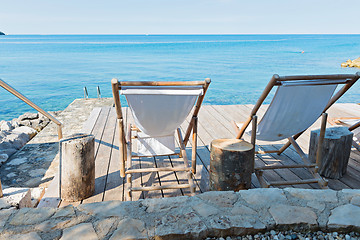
<point x="1" y="192"/>
<point x="335" y="152"/>
<point x="231" y="164"/>
<point x="194" y="146"/>
<point x="77" y="167"/>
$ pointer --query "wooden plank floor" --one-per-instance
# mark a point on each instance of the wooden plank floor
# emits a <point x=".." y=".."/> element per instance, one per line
<point x="214" y="122"/>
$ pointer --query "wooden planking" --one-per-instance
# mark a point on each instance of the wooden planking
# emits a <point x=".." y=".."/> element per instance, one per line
<point x="104" y="138"/>
<point x="114" y="189"/>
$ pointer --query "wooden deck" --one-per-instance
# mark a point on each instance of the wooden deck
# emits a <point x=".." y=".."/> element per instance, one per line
<point x="214" y="122"/>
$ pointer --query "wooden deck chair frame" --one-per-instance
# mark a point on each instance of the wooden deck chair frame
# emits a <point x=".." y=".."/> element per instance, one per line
<point x="351" y="128"/>
<point x="125" y="141"/>
<point x="276" y="80"/>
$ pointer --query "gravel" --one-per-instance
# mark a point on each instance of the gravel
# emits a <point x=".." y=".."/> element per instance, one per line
<point x="291" y="235"/>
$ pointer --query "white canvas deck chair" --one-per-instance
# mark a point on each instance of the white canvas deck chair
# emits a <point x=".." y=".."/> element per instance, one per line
<point x="353" y="124"/>
<point x="158" y="109"/>
<point x="298" y="102"/>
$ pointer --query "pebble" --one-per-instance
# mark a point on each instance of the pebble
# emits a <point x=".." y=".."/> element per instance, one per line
<point x="292" y="235"/>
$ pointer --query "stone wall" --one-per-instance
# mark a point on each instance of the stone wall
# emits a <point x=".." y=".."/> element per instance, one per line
<point x="211" y="214"/>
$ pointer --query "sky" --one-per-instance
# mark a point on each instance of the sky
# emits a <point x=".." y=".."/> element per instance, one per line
<point x="179" y="16"/>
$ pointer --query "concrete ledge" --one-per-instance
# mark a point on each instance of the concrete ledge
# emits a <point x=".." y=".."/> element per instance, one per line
<point x="211" y="214"/>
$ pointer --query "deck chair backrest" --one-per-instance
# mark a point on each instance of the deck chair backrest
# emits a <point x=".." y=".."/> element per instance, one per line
<point x="298" y="102"/>
<point x="293" y="109"/>
<point x="160" y="110"/>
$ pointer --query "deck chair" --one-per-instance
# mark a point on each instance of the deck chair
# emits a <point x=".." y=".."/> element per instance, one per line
<point x="298" y="102"/>
<point x="158" y="109"/>
<point x="356" y="130"/>
<point x="353" y="124"/>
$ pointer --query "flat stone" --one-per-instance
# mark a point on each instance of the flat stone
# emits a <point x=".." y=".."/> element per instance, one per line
<point x="343" y="217"/>
<point x="130" y="229"/>
<point x="33" y="182"/>
<point x="3" y="157"/>
<point x="240" y="209"/>
<point x="4" y="216"/>
<point x="293" y="215"/>
<point x="4" y="204"/>
<point x="30" y="216"/>
<point x="263" y="197"/>
<point x="324" y="195"/>
<point x="37" y="172"/>
<point x="103" y="226"/>
<point x="68" y="211"/>
<point x="17" y="161"/>
<point x="11" y="175"/>
<point x="316" y="205"/>
<point x="180" y="222"/>
<point x="234" y="225"/>
<point x="18" y="197"/>
<point x="205" y="210"/>
<point x="27" y="236"/>
<point x="348" y="194"/>
<point x="221" y="199"/>
<point x="355" y="201"/>
<point x="82" y="231"/>
<point x="113" y="209"/>
<point x="163" y="204"/>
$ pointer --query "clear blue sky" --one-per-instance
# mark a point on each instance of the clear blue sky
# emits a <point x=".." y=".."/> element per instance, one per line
<point x="178" y="16"/>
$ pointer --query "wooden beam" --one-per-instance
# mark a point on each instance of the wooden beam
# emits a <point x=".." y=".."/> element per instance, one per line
<point x="163" y="169"/>
<point x="169" y="186"/>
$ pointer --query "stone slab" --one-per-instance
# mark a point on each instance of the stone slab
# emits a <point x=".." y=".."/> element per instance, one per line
<point x="83" y="231"/>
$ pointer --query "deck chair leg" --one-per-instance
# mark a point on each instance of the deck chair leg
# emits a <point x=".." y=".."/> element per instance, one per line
<point x="194" y="146"/>
<point x="186" y="162"/>
<point x="286" y="145"/>
<point x="129" y="163"/>
<point x="253" y="130"/>
<point x="321" y="140"/>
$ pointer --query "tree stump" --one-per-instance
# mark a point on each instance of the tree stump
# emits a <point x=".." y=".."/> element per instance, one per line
<point x="335" y="151"/>
<point x="77" y="167"/>
<point x="231" y="164"/>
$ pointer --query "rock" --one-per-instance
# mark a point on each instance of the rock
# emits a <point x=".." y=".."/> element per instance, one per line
<point x="18" y="197"/>
<point x="17" y="161"/>
<point x="67" y="211"/>
<point x="263" y="197"/>
<point x="355" y="201"/>
<point x="163" y="204"/>
<point x="4" y="216"/>
<point x="17" y="139"/>
<point x="30" y="216"/>
<point x="4" y="204"/>
<point x="28" y="116"/>
<point x="130" y="229"/>
<point x="27" y="236"/>
<point x="81" y="231"/>
<point x="240" y="209"/>
<point x="103" y="226"/>
<point x="3" y="157"/>
<point x="221" y="199"/>
<point x="15" y="123"/>
<point x="26" y="130"/>
<point x="344" y="217"/>
<point x="36" y="195"/>
<point x="353" y="63"/>
<point x="25" y="123"/>
<point x="7" y="148"/>
<point x="205" y="210"/>
<point x="313" y="194"/>
<point x="179" y="222"/>
<point x="6" y="126"/>
<point x="293" y="215"/>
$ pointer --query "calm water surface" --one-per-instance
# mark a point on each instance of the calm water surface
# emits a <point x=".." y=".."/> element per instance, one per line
<point x="52" y="70"/>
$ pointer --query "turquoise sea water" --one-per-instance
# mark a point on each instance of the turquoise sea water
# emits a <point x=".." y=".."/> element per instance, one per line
<point x="52" y="70"/>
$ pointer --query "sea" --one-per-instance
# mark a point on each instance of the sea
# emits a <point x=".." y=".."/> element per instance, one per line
<point x="52" y="70"/>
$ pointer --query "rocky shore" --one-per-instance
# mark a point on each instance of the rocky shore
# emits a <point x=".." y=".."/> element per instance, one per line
<point x="352" y="63"/>
<point x="16" y="133"/>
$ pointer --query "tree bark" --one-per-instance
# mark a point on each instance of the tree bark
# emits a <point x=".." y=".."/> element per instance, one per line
<point x="335" y="152"/>
<point x="231" y="164"/>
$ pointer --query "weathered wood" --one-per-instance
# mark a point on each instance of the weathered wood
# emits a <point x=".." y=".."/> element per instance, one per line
<point x="231" y="164"/>
<point x="335" y="152"/>
<point x="77" y="167"/>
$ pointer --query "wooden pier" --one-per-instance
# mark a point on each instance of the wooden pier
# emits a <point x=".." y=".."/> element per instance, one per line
<point x="214" y="123"/>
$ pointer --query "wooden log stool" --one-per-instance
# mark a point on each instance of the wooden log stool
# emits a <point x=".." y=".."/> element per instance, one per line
<point x="335" y="152"/>
<point x="77" y="167"/>
<point x="231" y="164"/>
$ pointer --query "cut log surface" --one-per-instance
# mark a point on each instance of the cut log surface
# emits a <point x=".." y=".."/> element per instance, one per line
<point x="335" y="152"/>
<point x="77" y="167"/>
<point x="231" y="164"/>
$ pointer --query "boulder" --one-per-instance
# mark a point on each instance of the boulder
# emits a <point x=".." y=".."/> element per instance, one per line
<point x="28" y="116"/>
<point x="26" y="130"/>
<point x="6" y="126"/>
<point x="18" y="139"/>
